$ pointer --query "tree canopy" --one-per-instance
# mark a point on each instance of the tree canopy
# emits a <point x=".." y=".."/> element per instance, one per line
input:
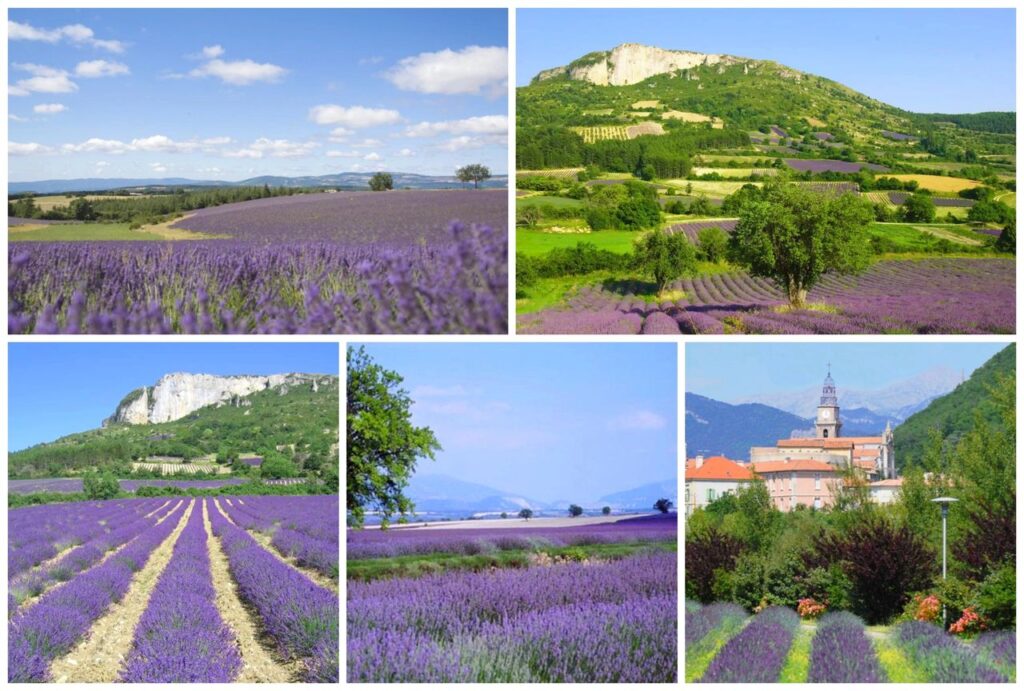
<point x="381" y="182"/>
<point x="474" y="172"/>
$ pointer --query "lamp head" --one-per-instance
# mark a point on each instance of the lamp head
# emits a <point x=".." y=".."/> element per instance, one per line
<point x="944" y="502"/>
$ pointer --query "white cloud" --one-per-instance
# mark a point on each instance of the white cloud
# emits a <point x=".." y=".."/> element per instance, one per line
<point x="460" y="143"/>
<point x="340" y="134"/>
<point x="373" y="156"/>
<point x="101" y="166"/>
<point x="216" y="141"/>
<point x="354" y="117"/>
<point x="236" y="72"/>
<point x="97" y="145"/>
<point x="467" y="71"/>
<point x="159" y="142"/>
<point x="368" y="144"/>
<point x="92" y="69"/>
<point x="77" y="34"/>
<point x="637" y="420"/>
<point x="407" y="152"/>
<point x="158" y="167"/>
<point x="49" y="108"/>
<point x="27" y="149"/>
<point x="16" y="118"/>
<point x="274" y="148"/>
<point x="483" y="124"/>
<point x="342" y="154"/>
<point x="156" y="142"/>
<point x="44" y="80"/>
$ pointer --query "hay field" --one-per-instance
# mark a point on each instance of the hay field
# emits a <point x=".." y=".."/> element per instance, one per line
<point x="938" y="183"/>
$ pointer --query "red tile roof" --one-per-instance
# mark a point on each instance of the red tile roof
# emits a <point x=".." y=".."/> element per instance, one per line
<point x="717" y="468"/>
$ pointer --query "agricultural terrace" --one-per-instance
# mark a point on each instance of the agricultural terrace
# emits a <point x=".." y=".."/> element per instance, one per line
<point x="280" y="264"/>
<point x="174" y="589"/>
<point x="590" y="604"/>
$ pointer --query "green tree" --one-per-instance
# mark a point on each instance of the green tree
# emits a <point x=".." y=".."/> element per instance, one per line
<point x="474" y="172"/>
<point x="712" y="244"/>
<point x="26" y="208"/>
<point x="606" y="510"/>
<point x="663" y="505"/>
<point x="100" y="485"/>
<point x="665" y="256"/>
<point x="575" y="510"/>
<point x="648" y="172"/>
<point x="526" y="514"/>
<point x="383" y="444"/>
<point x="82" y="209"/>
<point x="275" y="466"/>
<point x="987" y="211"/>
<point x="792" y="236"/>
<point x="1007" y="241"/>
<point x="381" y="182"/>
<point x="700" y="206"/>
<point x="638" y="213"/>
<point x="918" y="208"/>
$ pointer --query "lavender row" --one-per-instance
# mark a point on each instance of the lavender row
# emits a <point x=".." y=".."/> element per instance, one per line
<point x="824" y="165"/>
<point x="1001" y="649"/>
<point x="315" y="515"/>
<point x="945" y="659"/>
<point x="604" y="622"/>
<point x="705" y="619"/>
<point x="933" y="296"/>
<point x="213" y="286"/>
<point x="307" y="551"/>
<point x="84" y="556"/>
<point x="842" y="653"/>
<point x="181" y="636"/>
<point x="53" y="626"/>
<point x="372" y="543"/>
<point x="900" y="197"/>
<point x="299" y="615"/>
<point x="756" y="654"/>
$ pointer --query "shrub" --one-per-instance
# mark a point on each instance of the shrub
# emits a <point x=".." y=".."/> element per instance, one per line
<point x="969" y="623"/>
<point x="705" y="554"/>
<point x="100" y="485"/>
<point x="829" y="585"/>
<point x="927" y="608"/>
<point x="996" y="597"/>
<point x="539" y="183"/>
<point x="638" y="213"/>
<point x="528" y="216"/>
<point x="989" y="539"/>
<point x="809" y="608"/>
<point x="700" y="206"/>
<point x="600" y="218"/>
<point x="918" y="208"/>
<point x="1007" y="241"/>
<point x="712" y="244"/>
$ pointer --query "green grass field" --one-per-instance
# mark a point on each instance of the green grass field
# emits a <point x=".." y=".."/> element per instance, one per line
<point x="80" y="232"/>
<point x="548" y="200"/>
<point x="919" y="237"/>
<point x="534" y="243"/>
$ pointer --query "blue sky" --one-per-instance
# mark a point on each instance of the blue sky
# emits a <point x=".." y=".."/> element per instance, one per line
<point x="736" y="371"/>
<point x="925" y="60"/>
<point x="550" y="422"/>
<point x="60" y="388"/>
<point x="229" y="94"/>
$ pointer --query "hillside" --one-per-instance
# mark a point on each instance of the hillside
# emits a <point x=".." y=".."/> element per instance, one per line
<point x="256" y="423"/>
<point x="780" y="106"/>
<point x="714" y="428"/>
<point x="954" y="413"/>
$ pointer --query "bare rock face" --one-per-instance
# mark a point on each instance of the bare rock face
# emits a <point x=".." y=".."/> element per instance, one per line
<point x="631" y="63"/>
<point x="178" y="394"/>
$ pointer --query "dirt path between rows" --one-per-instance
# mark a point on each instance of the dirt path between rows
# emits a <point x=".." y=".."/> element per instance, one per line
<point x="98" y="658"/>
<point x="258" y="661"/>
<point x="264" y="541"/>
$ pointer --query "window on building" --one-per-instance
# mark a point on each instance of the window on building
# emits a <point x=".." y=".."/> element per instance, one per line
<point x="817" y="502"/>
<point x="792" y="482"/>
<point x="826" y="433"/>
<point x="817" y="481"/>
<point x="711" y="495"/>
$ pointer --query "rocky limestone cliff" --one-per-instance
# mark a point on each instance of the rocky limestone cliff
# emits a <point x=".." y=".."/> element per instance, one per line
<point x="631" y="63"/>
<point x="178" y="394"/>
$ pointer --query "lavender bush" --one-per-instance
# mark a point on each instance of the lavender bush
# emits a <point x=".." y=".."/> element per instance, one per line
<point x="944" y="658"/>
<point x="1001" y="648"/>
<point x="756" y="654"/>
<point x="181" y="636"/>
<point x="842" y="653"/>
<point x="706" y="619"/>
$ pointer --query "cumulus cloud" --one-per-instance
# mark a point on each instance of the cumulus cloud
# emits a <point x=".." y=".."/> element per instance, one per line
<point x="49" y="108"/>
<point x="212" y="52"/>
<point x="407" y="153"/>
<point x="274" y="148"/>
<point x="16" y="118"/>
<point x="340" y="134"/>
<point x="483" y="124"/>
<point x="156" y="142"/>
<point x="637" y="420"/>
<point x="92" y="69"/>
<point x="466" y="71"/>
<point x="158" y="167"/>
<point x="77" y="34"/>
<point x="373" y="156"/>
<point x="27" y="149"/>
<point x="240" y="72"/>
<point x="353" y="117"/>
<point x="44" y="80"/>
<point x="342" y="154"/>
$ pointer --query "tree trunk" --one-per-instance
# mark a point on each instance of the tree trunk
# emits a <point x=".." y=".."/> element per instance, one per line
<point x="797" y="295"/>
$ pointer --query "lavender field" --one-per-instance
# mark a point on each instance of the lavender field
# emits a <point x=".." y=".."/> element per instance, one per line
<point x="841" y="650"/>
<point x="175" y="589"/>
<point x="929" y="296"/>
<point x="399" y="262"/>
<point x="582" y="617"/>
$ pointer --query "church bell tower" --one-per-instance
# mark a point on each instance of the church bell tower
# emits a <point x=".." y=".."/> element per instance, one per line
<point x="827" y="424"/>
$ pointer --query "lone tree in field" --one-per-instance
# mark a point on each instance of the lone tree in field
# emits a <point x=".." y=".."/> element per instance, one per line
<point x="474" y="172"/>
<point x="663" y="505"/>
<point x="383" y="444"/>
<point x="381" y="182"/>
<point x="792" y="236"/>
<point x="665" y="257"/>
<point x="607" y="510"/>
<point x="526" y="514"/>
<point x="575" y="510"/>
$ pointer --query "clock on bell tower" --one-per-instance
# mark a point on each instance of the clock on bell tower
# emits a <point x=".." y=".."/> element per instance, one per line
<point x="827" y="424"/>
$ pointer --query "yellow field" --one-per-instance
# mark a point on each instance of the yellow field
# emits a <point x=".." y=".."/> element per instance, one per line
<point x="1008" y="198"/>
<point x="640" y="113"/>
<point x="52" y="201"/>
<point x="559" y="173"/>
<point x="879" y="198"/>
<point x="645" y="105"/>
<point x="684" y="116"/>
<point x="601" y="133"/>
<point x="735" y="172"/>
<point x="938" y="183"/>
<point x="712" y="188"/>
<point x="814" y="122"/>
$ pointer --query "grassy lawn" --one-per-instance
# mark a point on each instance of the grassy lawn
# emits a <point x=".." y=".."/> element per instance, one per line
<point x="1008" y="198"/>
<point x="534" y="243"/>
<point x="548" y="200"/>
<point x="919" y="237"/>
<point x="415" y="565"/>
<point x="798" y="662"/>
<point x="73" y="232"/>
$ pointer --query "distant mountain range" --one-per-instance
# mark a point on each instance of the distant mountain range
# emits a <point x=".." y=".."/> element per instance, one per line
<point x="338" y="180"/>
<point x="437" y="493"/>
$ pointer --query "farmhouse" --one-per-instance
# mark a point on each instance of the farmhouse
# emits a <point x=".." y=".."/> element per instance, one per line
<point x="707" y="479"/>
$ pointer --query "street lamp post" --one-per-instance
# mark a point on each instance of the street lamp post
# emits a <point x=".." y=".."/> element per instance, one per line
<point x="944" y="502"/>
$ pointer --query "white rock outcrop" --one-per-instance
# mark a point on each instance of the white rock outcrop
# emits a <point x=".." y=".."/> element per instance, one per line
<point x="178" y="394"/>
<point x="631" y="63"/>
